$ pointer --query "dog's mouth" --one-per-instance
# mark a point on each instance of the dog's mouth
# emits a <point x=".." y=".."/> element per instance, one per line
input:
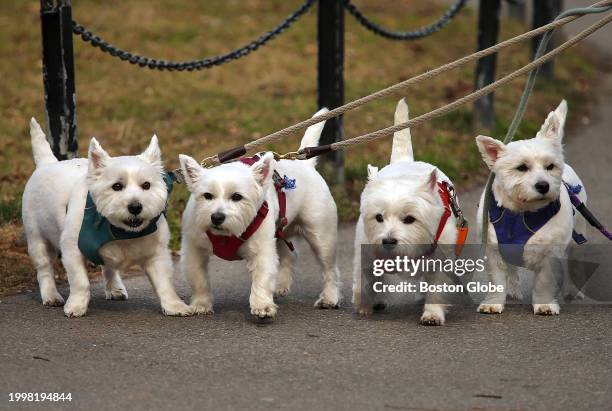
<point x="218" y="229"/>
<point x="133" y="222"/>
<point x="537" y="199"/>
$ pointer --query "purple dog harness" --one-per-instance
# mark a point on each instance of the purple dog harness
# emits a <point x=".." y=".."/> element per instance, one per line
<point x="514" y="229"/>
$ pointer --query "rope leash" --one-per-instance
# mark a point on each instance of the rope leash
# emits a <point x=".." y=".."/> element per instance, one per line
<point x="309" y="152"/>
<point x="259" y="143"/>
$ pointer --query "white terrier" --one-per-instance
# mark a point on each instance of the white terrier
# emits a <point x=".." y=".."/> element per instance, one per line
<point x="531" y="216"/>
<point x="124" y="196"/>
<point x="228" y="207"/>
<point x="401" y="205"/>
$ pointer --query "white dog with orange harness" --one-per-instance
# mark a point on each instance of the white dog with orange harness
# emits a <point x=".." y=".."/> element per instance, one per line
<point x="406" y="203"/>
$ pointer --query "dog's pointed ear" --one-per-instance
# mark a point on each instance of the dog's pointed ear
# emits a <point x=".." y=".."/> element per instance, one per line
<point x="192" y="170"/>
<point x="262" y="169"/>
<point x="98" y="158"/>
<point x="490" y="149"/>
<point x="372" y="172"/>
<point x="431" y="182"/>
<point x="553" y="126"/>
<point x="561" y="111"/>
<point x="152" y="154"/>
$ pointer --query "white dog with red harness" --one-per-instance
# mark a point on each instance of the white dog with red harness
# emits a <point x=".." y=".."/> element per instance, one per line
<point x="406" y="203"/>
<point x="249" y="209"/>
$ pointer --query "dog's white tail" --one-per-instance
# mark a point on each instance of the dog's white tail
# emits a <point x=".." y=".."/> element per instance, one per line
<point x="312" y="136"/>
<point x="40" y="146"/>
<point x="402" y="140"/>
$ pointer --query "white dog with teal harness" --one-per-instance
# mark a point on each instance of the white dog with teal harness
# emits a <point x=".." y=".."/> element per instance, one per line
<point x="108" y="210"/>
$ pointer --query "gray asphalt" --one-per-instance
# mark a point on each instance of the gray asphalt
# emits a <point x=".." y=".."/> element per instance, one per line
<point x="126" y="355"/>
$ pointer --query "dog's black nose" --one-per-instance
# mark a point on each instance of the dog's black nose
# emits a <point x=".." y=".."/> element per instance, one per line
<point x="542" y="187"/>
<point x="217" y="218"/>
<point x="135" y="208"/>
<point x="389" y="243"/>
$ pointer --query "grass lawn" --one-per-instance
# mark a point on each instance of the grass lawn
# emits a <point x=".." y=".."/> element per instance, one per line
<point x="200" y="113"/>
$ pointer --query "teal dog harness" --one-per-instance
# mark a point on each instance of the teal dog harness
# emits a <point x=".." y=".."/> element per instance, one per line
<point x="96" y="230"/>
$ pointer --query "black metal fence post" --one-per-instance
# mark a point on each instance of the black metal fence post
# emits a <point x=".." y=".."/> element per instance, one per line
<point x="488" y="29"/>
<point x="330" y="30"/>
<point x="544" y="11"/>
<point x="58" y="76"/>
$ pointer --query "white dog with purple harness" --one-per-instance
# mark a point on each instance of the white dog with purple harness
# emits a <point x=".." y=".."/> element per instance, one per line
<point x="532" y="220"/>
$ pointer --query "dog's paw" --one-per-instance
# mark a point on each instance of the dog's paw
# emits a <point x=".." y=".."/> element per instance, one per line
<point x="281" y="292"/>
<point x="268" y="311"/>
<point x="490" y="308"/>
<point x="177" y="309"/>
<point x="328" y="298"/>
<point x="429" y="318"/>
<point x="53" y="300"/>
<point x="546" y="309"/>
<point x="202" y="308"/>
<point x="325" y="304"/>
<point x="76" y="306"/>
<point x="116" y="294"/>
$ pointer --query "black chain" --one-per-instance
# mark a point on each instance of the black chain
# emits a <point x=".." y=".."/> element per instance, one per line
<point x="97" y="41"/>
<point x="405" y="35"/>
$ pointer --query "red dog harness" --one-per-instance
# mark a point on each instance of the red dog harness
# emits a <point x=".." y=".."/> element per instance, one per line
<point x="226" y="247"/>
<point x="449" y="200"/>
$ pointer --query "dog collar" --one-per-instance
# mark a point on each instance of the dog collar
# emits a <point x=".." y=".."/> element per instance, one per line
<point x="96" y="230"/>
<point x="226" y="246"/>
<point x="514" y="229"/>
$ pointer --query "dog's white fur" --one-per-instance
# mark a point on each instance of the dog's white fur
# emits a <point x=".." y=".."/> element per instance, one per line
<point x="311" y="212"/>
<point x="515" y="190"/>
<point x="403" y="188"/>
<point x="53" y="207"/>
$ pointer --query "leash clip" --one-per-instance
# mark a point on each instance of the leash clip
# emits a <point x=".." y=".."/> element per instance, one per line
<point x="292" y="155"/>
<point x="454" y="204"/>
<point x="178" y="176"/>
<point x="209" y="162"/>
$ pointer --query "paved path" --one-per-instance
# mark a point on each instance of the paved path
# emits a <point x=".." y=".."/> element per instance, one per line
<point x="126" y="355"/>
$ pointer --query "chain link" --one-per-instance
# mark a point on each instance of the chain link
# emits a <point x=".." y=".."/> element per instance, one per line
<point x="405" y="35"/>
<point x="201" y="64"/>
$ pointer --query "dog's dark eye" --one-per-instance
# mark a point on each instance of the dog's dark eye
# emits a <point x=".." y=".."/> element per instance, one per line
<point x="208" y="196"/>
<point x="379" y="218"/>
<point x="117" y="187"/>
<point x="522" y="168"/>
<point x="550" y="166"/>
<point x="236" y="197"/>
<point x="146" y="185"/>
<point x="409" y="219"/>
